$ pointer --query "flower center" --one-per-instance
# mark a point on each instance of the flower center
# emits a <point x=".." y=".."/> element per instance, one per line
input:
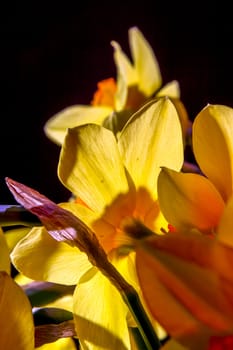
<point x="105" y="93"/>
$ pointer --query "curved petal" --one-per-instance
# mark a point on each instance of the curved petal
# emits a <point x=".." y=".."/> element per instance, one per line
<point x="124" y="65"/>
<point x="39" y="257"/>
<point x="225" y="227"/>
<point x="16" y="323"/>
<point x="175" y="270"/>
<point x="4" y="254"/>
<point x="145" y="63"/>
<point x="97" y="326"/>
<point x="213" y="146"/>
<point x="14" y="235"/>
<point x="90" y="166"/>
<point x="171" y="89"/>
<point x="189" y="201"/>
<point x="126" y="76"/>
<point x="151" y="139"/>
<point x="56" y="127"/>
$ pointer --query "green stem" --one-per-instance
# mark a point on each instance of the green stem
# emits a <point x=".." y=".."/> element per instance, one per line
<point x="149" y="339"/>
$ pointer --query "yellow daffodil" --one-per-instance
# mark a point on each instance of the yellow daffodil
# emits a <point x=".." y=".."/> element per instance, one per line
<point x="192" y="201"/>
<point x="114" y="180"/>
<point x="16" y="323"/>
<point x="115" y="100"/>
<point x="189" y="271"/>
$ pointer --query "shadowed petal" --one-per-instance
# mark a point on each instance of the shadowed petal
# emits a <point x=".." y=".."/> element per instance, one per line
<point x="90" y="166"/>
<point x="190" y="276"/>
<point x="108" y="320"/>
<point x="152" y="139"/>
<point x="4" y="254"/>
<point x="225" y="227"/>
<point x="16" y="322"/>
<point x="189" y="200"/>
<point x="213" y="146"/>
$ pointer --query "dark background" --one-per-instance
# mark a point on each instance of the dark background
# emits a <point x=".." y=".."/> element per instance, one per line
<point x="53" y="54"/>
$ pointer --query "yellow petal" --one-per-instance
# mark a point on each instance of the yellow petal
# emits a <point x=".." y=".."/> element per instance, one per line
<point x="225" y="227"/>
<point x="189" y="200"/>
<point x="60" y="344"/>
<point x="16" y="323"/>
<point x="90" y="166"/>
<point x="213" y="146"/>
<point x="39" y="257"/>
<point x="65" y="302"/>
<point x="151" y="139"/>
<point x="100" y="316"/>
<point x="14" y="235"/>
<point x="4" y="254"/>
<point x="175" y="271"/>
<point x="145" y="62"/>
<point x="56" y="127"/>
<point x="171" y="89"/>
<point x="124" y="65"/>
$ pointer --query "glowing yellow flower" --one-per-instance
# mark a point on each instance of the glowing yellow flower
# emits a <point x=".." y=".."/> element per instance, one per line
<point x="190" y="271"/>
<point x="192" y="201"/>
<point x="136" y="83"/>
<point x="117" y="181"/>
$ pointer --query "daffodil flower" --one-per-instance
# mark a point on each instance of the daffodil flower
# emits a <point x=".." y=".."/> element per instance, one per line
<point x="190" y="270"/>
<point x="192" y="201"/>
<point x="114" y="180"/>
<point x="115" y="100"/>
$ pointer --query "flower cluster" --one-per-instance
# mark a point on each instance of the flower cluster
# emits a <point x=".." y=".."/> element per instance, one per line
<point x="140" y="255"/>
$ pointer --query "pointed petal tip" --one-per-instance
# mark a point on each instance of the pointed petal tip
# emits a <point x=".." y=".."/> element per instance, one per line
<point x="29" y="198"/>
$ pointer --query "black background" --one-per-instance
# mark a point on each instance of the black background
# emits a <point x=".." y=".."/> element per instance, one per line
<point x="53" y="54"/>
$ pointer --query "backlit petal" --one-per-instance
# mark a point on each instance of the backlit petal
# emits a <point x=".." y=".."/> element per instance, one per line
<point x="213" y="146"/>
<point x="189" y="200"/>
<point x="145" y="62"/>
<point x="16" y="322"/>
<point x="124" y="65"/>
<point x="90" y="166"/>
<point x="171" y="89"/>
<point x="56" y="127"/>
<point x="38" y="256"/>
<point x="100" y="317"/>
<point x="183" y="273"/>
<point x="152" y="139"/>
